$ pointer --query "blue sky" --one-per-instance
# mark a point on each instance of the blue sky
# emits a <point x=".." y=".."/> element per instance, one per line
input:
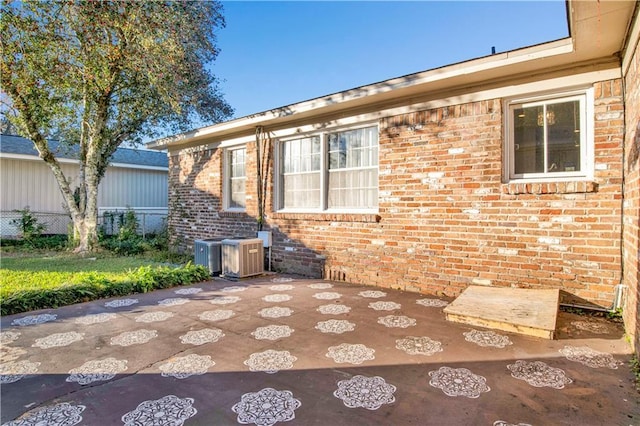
<point x="278" y="53"/>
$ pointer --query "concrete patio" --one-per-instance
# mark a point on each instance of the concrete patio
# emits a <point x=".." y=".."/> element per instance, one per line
<point x="275" y="349"/>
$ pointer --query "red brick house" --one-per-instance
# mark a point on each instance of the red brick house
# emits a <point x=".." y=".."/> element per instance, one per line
<point x="516" y="169"/>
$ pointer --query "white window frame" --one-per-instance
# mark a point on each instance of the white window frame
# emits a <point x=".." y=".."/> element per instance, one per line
<point x="226" y="190"/>
<point x="586" y="98"/>
<point x="324" y="171"/>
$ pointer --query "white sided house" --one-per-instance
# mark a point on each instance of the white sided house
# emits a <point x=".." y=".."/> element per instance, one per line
<point x="519" y="169"/>
<point x="135" y="179"/>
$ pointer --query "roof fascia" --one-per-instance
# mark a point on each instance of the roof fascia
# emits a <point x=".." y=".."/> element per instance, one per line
<point x="26" y="157"/>
<point x="372" y="93"/>
<point x="632" y="40"/>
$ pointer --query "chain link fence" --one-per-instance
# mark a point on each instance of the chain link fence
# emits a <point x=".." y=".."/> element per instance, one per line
<point x="60" y="223"/>
<point x="148" y="222"/>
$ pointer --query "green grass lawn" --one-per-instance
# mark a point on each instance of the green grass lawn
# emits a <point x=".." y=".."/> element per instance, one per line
<point x="70" y="263"/>
<point x="26" y="273"/>
<point x="43" y="281"/>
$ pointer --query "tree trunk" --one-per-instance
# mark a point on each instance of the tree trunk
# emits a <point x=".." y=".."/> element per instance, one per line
<point x="86" y="225"/>
<point x="85" y="232"/>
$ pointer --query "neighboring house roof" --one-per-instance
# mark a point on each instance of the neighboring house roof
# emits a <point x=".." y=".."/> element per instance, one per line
<point x="17" y="145"/>
<point x="598" y="31"/>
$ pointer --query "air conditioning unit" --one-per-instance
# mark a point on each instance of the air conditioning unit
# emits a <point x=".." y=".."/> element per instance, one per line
<point x="242" y="257"/>
<point x="208" y="254"/>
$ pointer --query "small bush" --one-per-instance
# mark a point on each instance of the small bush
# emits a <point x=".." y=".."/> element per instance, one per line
<point x="49" y="242"/>
<point x="42" y="242"/>
<point x="28" y="224"/>
<point x="126" y="247"/>
<point x="127" y="242"/>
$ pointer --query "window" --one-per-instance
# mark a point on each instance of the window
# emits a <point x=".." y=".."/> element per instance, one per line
<point x="353" y="169"/>
<point x="236" y="179"/>
<point x="548" y="138"/>
<point x="330" y="171"/>
<point x="301" y="173"/>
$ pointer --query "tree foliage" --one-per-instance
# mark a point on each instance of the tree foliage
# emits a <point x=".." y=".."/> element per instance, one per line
<point x="99" y="73"/>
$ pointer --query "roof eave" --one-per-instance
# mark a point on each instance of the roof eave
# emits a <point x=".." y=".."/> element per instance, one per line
<point x="581" y="48"/>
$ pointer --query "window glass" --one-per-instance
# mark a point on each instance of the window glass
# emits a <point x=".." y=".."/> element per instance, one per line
<point x="529" y="140"/>
<point x="237" y="179"/>
<point x="300" y="176"/>
<point x="353" y="171"/>
<point x="548" y="138"/>
<point x="563" y="136"/>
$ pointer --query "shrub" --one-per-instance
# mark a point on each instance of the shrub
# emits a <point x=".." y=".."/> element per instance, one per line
<point x="43" y="242"/>
<point x="127" y="242"/>
<point x="28" y="224"/>
<point x="128" y="247"/>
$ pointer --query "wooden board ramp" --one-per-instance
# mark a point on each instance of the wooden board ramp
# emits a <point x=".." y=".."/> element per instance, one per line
<point x="532" y="312"/>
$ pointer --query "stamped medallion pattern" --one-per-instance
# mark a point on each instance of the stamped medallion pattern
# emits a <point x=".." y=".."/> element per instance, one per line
<point x="186" y="366"/>
<point x="589" y="357"/>
<point x="120" y="303"/>
<point x="185" y="291"/>
<point x="173" y="301"/>
<point x="96" y="318"/>
<point x="384" y="306"/>
<point x="281" y="287"/>
<point x="272" y="332"/>
<point x="34" y="319"/>
<point x="334" y="309"/>
<point x="7" y="337"/>
<point x="277" y="298"/>
<point x="419" y="345"/>
<point x="97" y="371"/>
<point x="154" y="316"/>
<point x="200" y="337"/>
<point x="217" y="315"/>
<point x="63" y="414"/>
<point x="169" y="410"/>
<point x="327" y="295"/>
<point x="276" y="312"/>
<point x="335" y="326"/>
<point x="137" y="337"/>
<point x="225" y="300"/>
<point x="539" y="374"/>
<point x="9" y="353"/>
<point x="58" y="339"/>
<point x="590" y="326"/>
<point x="266" y="407"/>
<point x="11" y="372"/>
<point x="233" y="289"/>
<point x="373" y="294"/>
<point x="487" y="338"/>
<point x="365" y="392"/>
<point x="270" y="361"/>
<point x="397" y="321"/>
<point x="432" y="303"/>
<point x="281" y="280"/>
<point x="350" y="353"/>
<point x="320" y="286"/>
<point x="458" y="382"/>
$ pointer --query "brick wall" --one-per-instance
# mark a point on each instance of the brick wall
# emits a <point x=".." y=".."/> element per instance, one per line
<point x="445" y="218"/>
<point x="195" y="203"/>
<point x="632" y="199"/>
